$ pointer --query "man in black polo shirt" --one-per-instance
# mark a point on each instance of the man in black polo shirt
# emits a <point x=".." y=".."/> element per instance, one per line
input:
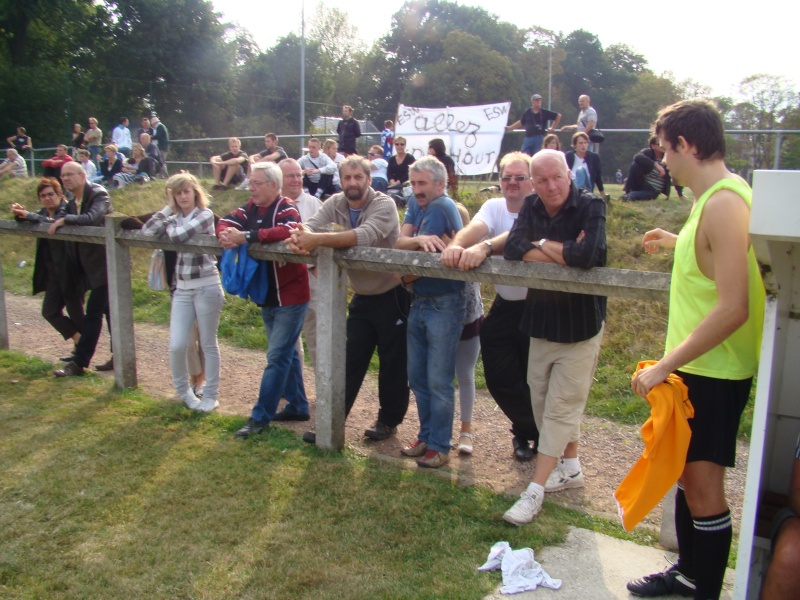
<point x="566" y="225"/>
<point x="535" y="121"/>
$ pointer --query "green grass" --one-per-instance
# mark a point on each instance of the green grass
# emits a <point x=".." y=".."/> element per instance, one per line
<point x="119" y="495"/>
<point x="635" y="330"/>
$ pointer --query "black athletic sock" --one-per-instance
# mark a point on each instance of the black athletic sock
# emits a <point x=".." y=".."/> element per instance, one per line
<point x="712" y="543"/>
<point x="684" y="529"/>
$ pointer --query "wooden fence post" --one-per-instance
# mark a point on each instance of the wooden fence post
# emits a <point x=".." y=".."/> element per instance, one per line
<point x="118" y="259"/>
<point x="331" y="333"/>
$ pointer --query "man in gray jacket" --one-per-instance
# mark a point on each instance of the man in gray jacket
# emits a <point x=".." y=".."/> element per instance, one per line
<point x="378" y="312"/>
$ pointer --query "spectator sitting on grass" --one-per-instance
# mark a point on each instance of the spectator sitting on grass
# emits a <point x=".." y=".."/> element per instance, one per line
<point x="378" y="164"/>
<point x="14" y="165"/>
<point x="230" y="168"/>
<point x="138" y="168"/>
<point x="52" y="166"/>
<point x="110" y="165"/>
<point x="88" y="165"/>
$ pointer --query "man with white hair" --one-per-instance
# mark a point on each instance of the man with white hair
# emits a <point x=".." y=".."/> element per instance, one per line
<point x="13" y="165"/>
<point x="562" y="224"/>
<point x="161" y="139"/>
<point x="270" y="217"/>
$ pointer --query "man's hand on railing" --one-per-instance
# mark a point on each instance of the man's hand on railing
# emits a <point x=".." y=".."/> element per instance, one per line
<point x="302" y="241"/>
<point x="54" y="227"/>
<point x="231" y="238"/>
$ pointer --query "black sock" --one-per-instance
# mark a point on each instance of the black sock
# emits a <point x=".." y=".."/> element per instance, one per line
<point x="712" y="543"/>
<point x="684" y="529"/>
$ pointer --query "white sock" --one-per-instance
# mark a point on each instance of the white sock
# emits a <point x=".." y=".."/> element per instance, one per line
<point x="572" y="465"/>
<point x="534" y="488"/>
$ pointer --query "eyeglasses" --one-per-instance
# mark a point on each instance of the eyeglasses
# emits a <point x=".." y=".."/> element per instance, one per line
<point x="48" y="195"/>
<point x="517" y="178"/>
<point x="258" y="182"/>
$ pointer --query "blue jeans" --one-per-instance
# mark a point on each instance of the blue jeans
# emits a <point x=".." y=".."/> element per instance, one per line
<point x="532" y="144"/>
<point x="283" y="375"/>
<point x="434" y="329"/>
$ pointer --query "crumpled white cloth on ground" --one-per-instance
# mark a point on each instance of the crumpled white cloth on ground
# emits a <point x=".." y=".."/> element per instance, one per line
<point x="521" y="573"/>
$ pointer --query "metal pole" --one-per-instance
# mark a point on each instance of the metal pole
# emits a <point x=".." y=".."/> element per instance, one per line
<point x="550" y="79"/>
<point x="302" y="69"/>
<point x="776" y="164"/>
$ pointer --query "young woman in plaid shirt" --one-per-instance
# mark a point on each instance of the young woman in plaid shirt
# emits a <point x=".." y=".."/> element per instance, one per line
<point x="198" y="294"/>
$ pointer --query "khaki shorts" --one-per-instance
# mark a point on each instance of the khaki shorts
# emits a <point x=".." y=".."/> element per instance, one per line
<point x="560" y="377"/>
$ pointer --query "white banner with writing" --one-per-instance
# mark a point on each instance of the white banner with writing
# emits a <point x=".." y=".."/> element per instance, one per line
<point x="471" y="134"/>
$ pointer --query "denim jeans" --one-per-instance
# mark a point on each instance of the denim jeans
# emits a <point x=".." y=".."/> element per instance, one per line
<point x="532" y="144"/>
<point x="434" y="329"/>
<point x="203" y="305"/>
<point x="283" y="375"/>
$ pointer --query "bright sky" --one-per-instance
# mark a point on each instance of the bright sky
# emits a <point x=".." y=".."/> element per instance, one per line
<point x="714" y="44"/>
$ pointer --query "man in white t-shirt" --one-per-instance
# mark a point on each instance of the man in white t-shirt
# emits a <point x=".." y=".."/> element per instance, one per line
<point x="504" y="347"/>
<point x="587" y="119"/>
<point x="308" y="206"/>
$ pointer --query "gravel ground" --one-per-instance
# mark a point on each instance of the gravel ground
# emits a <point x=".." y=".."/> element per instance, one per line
<point x="608" y="449"/>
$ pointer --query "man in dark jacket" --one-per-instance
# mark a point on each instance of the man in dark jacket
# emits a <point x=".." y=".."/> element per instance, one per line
<point x="94" y="205"/>
<point x="647" y="176"/>
<point x="584" y="164"/>
<point x="348" y="130"/>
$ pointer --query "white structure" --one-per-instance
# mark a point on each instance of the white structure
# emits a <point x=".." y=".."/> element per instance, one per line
<point x="775" y="233"/>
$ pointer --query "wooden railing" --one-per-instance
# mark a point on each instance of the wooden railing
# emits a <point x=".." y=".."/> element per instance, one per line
<point x="331" y="306"/>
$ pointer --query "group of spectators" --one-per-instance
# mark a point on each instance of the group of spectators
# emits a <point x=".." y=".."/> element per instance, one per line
<point x="647" y="177"/>
<point x="540" y="348"/>
<point x="117" y="163"/>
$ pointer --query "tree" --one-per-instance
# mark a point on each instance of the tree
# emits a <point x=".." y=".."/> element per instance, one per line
<point x="469" y="73"/>
<point x="767" y="101"/>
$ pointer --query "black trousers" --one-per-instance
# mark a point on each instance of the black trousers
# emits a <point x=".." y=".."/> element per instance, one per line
<point x="325" y="182"/>
<point x="96" y="309"/>
<point x="504" y="349"/>
<point x="53" y="308"/>
<point x="379" y="322"/>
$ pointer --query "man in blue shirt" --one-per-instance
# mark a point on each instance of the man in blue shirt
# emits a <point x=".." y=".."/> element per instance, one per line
<point x="437" y="313"/>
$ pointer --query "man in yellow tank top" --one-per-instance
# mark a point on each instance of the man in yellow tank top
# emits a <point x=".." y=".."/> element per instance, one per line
<point x="714" y="332"/>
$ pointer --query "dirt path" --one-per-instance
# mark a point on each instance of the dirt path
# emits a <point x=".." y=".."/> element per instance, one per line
<point x="607" y="449"/>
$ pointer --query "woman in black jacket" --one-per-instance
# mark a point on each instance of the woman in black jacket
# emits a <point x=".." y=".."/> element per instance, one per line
<point x="54" y="271"/>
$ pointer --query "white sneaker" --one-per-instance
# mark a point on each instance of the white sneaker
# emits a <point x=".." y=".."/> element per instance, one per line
<point x="560" y="479"/>
<point x="207" y="405"/>
<point x="524" y="509"/>
<point x="190" y="400"/>
<point x="244" y="186"/>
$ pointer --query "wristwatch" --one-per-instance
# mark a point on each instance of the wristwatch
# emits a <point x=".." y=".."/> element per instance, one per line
<point x="491" y="249"/>
<point x="541" y="243"/>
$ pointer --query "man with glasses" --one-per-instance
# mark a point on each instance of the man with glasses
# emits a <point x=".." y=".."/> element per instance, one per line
<point x="270" y="217"/>
<point x="504" y="347"/>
